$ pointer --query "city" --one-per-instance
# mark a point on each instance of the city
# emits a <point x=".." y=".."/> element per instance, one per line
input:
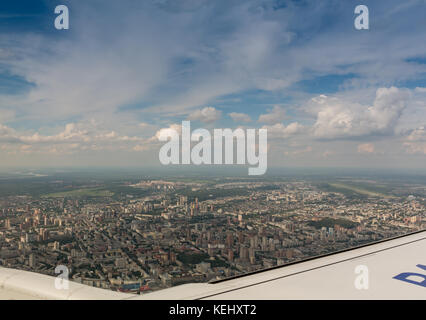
<point x="142" y="235"/>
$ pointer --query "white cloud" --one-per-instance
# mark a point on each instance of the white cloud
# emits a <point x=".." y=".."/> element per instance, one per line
<point x="343" y="119"/>
<point x="8" y="134"/>
<point x="126" y="64"/>
<point x="277" y="114"/>
<point x="167" y="132"/>
<point x="75" y="137"/>
<point x="418" y="134"/>
<point x="240" y="117"/>
<point x="71" y="133"/>
<point x="415" y="142"/>
<point x="420" y="89"/>
<point x="206" y="115"/>
<point x="281" y="131"/>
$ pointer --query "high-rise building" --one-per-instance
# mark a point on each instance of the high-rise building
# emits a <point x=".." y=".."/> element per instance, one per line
<point x="230" y="255"/>
<point x="229" y="240"/>
<point x="32" y="260"/>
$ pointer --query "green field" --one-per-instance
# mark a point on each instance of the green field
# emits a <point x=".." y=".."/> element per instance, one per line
<point x="79" y="193"/>
<point x="358" y="189"/>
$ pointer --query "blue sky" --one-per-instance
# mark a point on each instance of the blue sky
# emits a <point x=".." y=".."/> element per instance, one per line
<point x="98" y="93"/>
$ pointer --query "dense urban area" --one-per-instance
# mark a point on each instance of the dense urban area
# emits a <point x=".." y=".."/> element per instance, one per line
<point x="148" y="234"/>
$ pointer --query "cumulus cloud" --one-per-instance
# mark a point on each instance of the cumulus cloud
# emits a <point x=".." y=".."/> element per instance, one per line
<point x="240" y="117"/>
<point x="128" y="63"/>
<point x="415" y="141"/>
<point x="74" y="137"/>
<point x="206" y="115"/>
<point x="8" y="134"/>
<point x="418" y="134"/>
<point x="167" y="132"/>
<point x="71" y="133"/>
<point x="344" y="119"/>
<point x="281" y="131"/>
<point x="277" y="114"/>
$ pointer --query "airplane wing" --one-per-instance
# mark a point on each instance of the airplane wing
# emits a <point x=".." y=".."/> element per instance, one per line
<point x="389" y="269"/>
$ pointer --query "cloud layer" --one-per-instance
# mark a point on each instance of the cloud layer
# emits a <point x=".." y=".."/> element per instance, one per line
<point x="125" y="70"/>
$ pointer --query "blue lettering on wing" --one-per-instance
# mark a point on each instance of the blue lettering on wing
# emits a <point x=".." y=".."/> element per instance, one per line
<point x="405" y="276"/>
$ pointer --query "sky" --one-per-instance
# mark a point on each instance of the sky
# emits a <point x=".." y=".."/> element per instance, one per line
<point x="99" y="93"/>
